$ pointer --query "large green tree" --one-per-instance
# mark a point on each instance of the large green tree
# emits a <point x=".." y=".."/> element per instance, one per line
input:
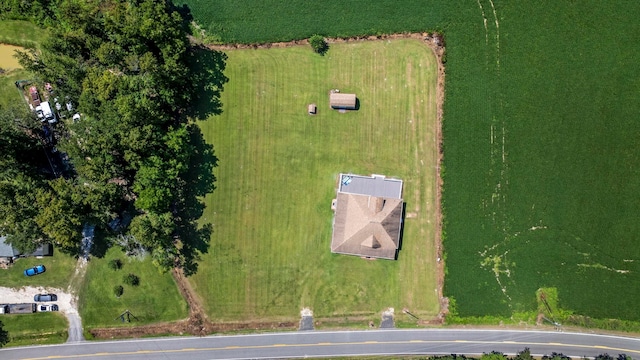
<point x="23" y="170"/>
<point x="4" y="335"/>
<point x="131" y="71"/>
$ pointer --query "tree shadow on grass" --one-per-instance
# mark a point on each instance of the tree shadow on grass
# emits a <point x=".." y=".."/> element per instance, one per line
<point x="101" y="243"/>
<point x="207" y="67"/>
<point x="199" y="181"/>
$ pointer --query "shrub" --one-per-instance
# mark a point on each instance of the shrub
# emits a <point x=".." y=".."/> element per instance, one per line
<point x="131" y="279"/>
<point x="319" y="44"/>
<point x="118" y="290"/>
<point x="115" y="264"/>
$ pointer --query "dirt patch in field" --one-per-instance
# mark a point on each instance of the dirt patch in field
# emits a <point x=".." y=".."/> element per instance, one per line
<point x="187" y="327"/>
<point x="7" y="58"/>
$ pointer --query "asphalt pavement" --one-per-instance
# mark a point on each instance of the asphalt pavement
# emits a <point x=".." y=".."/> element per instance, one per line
<point x="338" y="343"/>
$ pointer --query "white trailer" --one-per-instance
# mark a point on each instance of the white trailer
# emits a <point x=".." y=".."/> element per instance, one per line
<point x="47" y="113"/>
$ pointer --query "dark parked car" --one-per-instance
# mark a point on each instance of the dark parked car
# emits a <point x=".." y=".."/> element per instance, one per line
<point x="45" y="297"/>
<point x="38" y="269"/>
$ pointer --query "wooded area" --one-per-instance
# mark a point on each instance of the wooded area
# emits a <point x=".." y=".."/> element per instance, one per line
<point x="134" y="154"/>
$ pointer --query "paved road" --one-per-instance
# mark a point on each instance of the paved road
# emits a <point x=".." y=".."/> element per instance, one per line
<point x="341" y="343"/>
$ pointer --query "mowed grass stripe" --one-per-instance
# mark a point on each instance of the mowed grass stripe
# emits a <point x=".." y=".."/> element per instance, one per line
<point x="271" y="211"/>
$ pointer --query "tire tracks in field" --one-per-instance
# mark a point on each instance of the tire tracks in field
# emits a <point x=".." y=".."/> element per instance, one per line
<point x="495" y="17"/>
<point x="494" y="256"/>
<point x="484" y="20"/>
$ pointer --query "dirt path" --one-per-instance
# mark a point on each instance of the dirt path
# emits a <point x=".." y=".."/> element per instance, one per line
<point x="75" y="322"/>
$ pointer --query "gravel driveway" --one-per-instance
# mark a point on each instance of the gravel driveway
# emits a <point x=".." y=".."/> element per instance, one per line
<point x="66" y="303"/>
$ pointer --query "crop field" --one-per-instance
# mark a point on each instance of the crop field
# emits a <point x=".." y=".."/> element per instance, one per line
<point x="541" y="163"/>
<point x="277" y="175"/>
<point x="542" y="167"/>
<point x="247" y="21"/>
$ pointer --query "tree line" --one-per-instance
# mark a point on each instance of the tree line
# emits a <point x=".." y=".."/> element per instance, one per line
<point x="137" y="81"/>
<point x="522" y="355"/>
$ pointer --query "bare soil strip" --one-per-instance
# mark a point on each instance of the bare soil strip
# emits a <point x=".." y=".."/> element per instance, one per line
<point x="198" y="323"/>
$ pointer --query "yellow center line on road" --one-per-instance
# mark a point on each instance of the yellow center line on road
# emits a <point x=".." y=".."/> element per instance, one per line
<point x="253" y="347"/>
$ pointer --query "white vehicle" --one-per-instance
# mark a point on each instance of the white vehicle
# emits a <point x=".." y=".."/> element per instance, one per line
<point x="48" y="113"/>
<point x="39" y="112"/>
<point x="46" y="308"/>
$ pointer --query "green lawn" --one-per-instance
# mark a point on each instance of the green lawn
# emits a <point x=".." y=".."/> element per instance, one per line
<point x="277" y="175"/>
<point x="9" y="94"/>
<point x="35" y="329"/>
<point x="155" y="299"/>
<point x="21" y="33"/>
<point x="60" y="268"/>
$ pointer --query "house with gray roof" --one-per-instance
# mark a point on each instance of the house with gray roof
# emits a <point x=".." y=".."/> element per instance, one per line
<point x="368" y="217"/>
<point x="8" y="253"/>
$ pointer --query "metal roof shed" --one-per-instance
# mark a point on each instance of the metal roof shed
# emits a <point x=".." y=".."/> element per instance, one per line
<point x="342" y="101"/>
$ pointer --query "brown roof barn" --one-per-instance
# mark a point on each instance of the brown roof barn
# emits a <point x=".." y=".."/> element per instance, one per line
<point x="368" y="218"/>
<point x="342" y="101"/>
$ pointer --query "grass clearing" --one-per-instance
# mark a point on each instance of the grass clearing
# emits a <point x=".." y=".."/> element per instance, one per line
<point x="270" y="253"/>
<point x="10" y="95"/>
<point x="60" y="268"/>
<point x="20" y="33"/>
<point x="155" y="299"/>
<point x="51" y="328"/>
<point x="14" y="35"/>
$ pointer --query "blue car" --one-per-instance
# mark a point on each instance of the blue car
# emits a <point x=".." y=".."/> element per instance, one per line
<point x="38" y="269"/>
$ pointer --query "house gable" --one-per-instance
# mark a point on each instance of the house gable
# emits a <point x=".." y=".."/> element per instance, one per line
<point x="367" y="225"/>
